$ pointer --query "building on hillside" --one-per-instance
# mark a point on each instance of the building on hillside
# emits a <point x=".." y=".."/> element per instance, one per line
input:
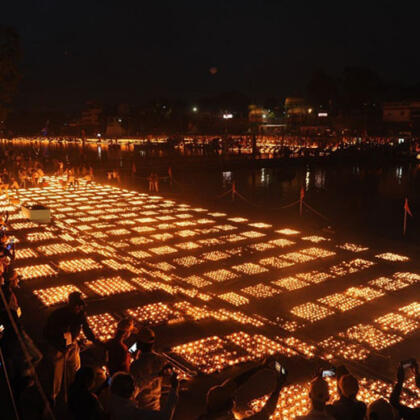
<point x="114" y="127"/>
<point x="90" y="117"/>
<point x="403" y="115"/>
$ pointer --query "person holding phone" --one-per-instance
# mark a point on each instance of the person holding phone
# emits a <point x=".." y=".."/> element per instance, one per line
<point x="405" y="412"/>
<point x="118" y="355"/>
<point x="220" y="401"/>
<point x="122" y="404"/>
<point x="62" y="331"/>
<point x="147" y="371"/>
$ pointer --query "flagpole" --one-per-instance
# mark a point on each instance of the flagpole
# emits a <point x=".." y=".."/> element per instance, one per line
<point x="406" y="211"/>
<point x="302" y="193"/>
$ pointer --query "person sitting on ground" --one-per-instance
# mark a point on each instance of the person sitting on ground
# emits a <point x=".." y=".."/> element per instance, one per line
<point x="14" y="184"/>
<point x="82" y="402"/>
<point x="118" y="356"/>
<point x="61" y="332"/>
<point x="405" y="412"/>
<point x="347" y="407"/>
<point x="147" y="369"/>
<point x="88" y="179"/>
<point x="319" y="395"/>
<point x="123" y="405"/>
<point x="380" y="410"/>
<point x="221" y="402"/>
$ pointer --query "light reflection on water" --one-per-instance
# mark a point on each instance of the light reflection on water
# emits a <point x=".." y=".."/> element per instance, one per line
<point x="366" y="196"/>
<point x="399" y="174"/>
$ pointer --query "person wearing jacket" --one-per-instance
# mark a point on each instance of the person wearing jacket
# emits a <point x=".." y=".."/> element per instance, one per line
<point x="123" y="400"/>
<point x="62" y="330"/>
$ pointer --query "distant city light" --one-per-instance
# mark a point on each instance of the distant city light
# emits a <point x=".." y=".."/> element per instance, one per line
<point x="98" y="135"/>
<point x="119" y="120"/>
<point x="264" y="115"/>
<point x="400" y="141"/>
<point x="227" y="116"/>
<point x="322" y="114"/>
<point x="195" y="109"/>
<point x="310" y="110"/>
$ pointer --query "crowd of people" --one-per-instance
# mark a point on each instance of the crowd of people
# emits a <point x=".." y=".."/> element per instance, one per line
<point x="129" y="382"/>
<point x="126" y="377"/>
<point x="25" y="170"/>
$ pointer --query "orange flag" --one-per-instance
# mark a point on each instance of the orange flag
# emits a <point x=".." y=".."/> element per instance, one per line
<point x="406" y="208"/>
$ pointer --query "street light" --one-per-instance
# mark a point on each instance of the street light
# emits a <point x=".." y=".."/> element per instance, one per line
<point x="227" y="116"/>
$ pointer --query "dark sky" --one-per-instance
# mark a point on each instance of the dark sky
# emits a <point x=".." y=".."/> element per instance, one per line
<point x="129" y="51"/>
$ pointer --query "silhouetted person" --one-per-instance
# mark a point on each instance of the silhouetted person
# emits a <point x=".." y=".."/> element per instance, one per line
<point x="62" y="331"/>
<point x="82" y="402"/>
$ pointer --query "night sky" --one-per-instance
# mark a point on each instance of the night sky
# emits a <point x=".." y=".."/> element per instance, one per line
<point x="130" y="51"/>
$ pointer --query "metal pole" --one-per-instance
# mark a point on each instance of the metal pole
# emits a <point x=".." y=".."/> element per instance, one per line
<point x="12" y="397"/>
<point x="65" y="376"/>
<point x="405" y="221"/>
<point x="302" y="194"/>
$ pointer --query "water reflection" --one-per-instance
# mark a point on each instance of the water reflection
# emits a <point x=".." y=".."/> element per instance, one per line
<point x="320" y="176"/>
<point x="307" y="179"/>
<point x="264" y="177"/>
<point x="226" y="179"/>
<point x="399" y="174"/>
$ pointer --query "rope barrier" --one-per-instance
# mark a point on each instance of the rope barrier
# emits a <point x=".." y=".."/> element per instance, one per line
<point x="301" y="201"/>
<point x="224" y="194"/>
<point x="316" y="212"/>
<point x="236" y="193"/>
<point x="286" y="206"/>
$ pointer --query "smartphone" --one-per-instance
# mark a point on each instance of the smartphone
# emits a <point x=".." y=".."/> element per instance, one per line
<point x="133" y="348"/>
<point x="407" y="364"/>
<point x="167" y="370"/>
<point x="328" y="373"/>
<point x="279" y="368"/>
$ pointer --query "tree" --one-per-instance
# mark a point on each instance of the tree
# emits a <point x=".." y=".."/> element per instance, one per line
<point x="9" y="67"/>
<point x="359" y="87"/>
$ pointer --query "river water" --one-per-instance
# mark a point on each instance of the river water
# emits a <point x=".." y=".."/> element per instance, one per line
<point x="361" y="197"/>
<point x="364" y="197"/>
